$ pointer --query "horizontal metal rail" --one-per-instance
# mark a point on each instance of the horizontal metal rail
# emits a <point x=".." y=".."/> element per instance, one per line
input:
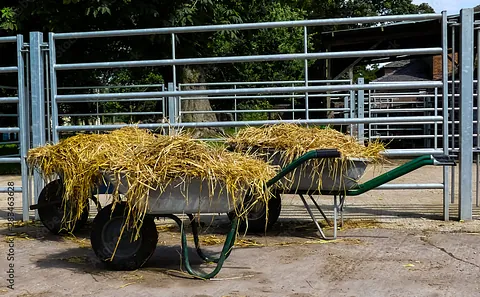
<point x="10" y="130"/>
<point x="110" y="114"/>
<point x="9" y="160"/>
<point x="80" y="97"/>
<point x="344" y="121"/>
<point x="8" y="100"/>
<point x="333" y="97"/>
<point x="113" y="87"/>
<point x="9" y="142"/>
<point x="8" y="39"/>
<point x="9" y="189"/>
<point x="411" y="152"/>
<point x="248" y="26"/>
<point x="252" y="58"/>
<point x="273" y="82"/>
<point x="409" y="136"/>
<point x="241" y="111"/>
<point x="409" y="186"/>
<point x="93" y="100"/>
<point x="262" y="110"/>
<point x="12" y="69"/>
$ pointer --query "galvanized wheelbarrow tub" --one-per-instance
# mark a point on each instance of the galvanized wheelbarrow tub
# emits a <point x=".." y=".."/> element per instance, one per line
<point x="183" y="197"/>
<point x="305" y="180"/>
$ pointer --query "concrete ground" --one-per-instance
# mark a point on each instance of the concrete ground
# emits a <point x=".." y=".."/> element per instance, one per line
<point x="393" y="243"/>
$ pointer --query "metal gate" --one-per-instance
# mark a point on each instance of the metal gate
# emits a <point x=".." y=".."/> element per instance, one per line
<point x="21" y="128"/>
<point x="45" y="91"/>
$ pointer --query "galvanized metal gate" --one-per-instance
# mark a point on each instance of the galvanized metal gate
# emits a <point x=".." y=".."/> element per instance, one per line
<point x="46" y="98"/>
<point x="22" y="128"/>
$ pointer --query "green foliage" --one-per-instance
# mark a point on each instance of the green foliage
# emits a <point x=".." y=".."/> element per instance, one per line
<point x="93" y="15"/>
<point x="254" y="105"/>
<point x="8" y="19"/>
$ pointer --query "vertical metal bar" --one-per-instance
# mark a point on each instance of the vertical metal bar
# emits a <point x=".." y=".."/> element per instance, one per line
<point x="446" y="206"/>
<point x="38" y="101"/>
<point x="466" y="115"/>
<point x="171" y="105"/>
<point x="477" y="203"/>
<point x="352" y="109"/>
<point x="174" y="57"/>
<point x="164" y="111"/>
<point x="435" y="125"/>
<point x="235" y="115"/>
<point x="23" y="136"/>
<point x="53" y="85"/>
<point x="293" y="103"/>
<point x="369" y="115"/>
<point x="452" y="200"/>
<point x="361" y="115"/>
<point x="47" y="96"/>
<point x="305" y="43"/>
<point x="179" y="111"/>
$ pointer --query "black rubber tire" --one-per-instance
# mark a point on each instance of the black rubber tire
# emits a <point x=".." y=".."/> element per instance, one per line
<point x="51" y="216"/>
<point x="257" y="218"/>
<point x="129" y="255"/>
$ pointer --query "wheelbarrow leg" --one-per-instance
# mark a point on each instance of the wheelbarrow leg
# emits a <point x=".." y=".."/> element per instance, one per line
<point x="322" y="235"/>
<point x="229" y="242"/>
<point x="321" y="211"/>
<point x="196" y="240"/>
<point x="341" y="207"/>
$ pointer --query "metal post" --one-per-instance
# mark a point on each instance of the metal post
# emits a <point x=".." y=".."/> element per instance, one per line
<point x="452" y="200"/>
<point x="305" y="41"/>
<point x="47" y="96"/>
<point x="174" y="57"/>
<point x="466" y="116"/>
<point x="478" y="117"/>
<point x="53" y="85"/>
<point x="435" y="125"/>
<point x="235" y="115"/>
<point x="361" y="110"/>
<point x="23" y="136"/>
<point x="369" y="115"/>
<point x="353" y="106"/>
<point x="171" y="105"/>
<point x="38" y="101"/>
<point x="446" y="206"/>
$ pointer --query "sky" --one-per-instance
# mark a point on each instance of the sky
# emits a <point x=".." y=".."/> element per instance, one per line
<point x="451" y="6"/>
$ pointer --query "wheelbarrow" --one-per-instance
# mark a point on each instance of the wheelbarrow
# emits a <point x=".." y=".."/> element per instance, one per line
<point x="339" y="186"/>
<point x="133" y="254"/>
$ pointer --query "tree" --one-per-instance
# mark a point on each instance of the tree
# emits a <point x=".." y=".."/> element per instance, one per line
<point x="21" y="17"/>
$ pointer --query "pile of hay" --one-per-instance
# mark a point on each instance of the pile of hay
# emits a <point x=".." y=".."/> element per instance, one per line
<point x="290" y="141"/>
<point x="149" y="162"/>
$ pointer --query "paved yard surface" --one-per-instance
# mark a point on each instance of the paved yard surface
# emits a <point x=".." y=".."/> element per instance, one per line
<point x="394" y="243"/>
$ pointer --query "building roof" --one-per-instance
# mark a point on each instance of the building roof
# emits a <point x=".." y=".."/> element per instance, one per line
<point x="397" y="64"/>
<point x="412" y="70"/>
<point x="400" y="35"/>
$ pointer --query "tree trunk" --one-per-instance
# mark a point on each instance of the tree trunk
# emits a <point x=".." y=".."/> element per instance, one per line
<point x="195" y="75"/>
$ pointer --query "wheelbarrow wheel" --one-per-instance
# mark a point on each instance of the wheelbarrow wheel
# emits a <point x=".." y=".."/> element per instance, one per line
<point x="51" y="216"/>
<point x="256" y="218"/>
<point x="129" y="254"/>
